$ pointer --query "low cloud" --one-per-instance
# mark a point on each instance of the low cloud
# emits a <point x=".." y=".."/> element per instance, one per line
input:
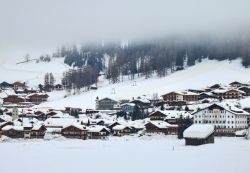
<point x="47" y="23"/>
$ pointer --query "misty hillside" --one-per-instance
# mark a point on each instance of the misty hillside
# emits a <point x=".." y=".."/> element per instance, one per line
<point x="147" y="58"/>
<point x="201" y="75"/>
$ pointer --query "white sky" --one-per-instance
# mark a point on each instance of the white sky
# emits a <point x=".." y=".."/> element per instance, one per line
<point x="29" y="25"/>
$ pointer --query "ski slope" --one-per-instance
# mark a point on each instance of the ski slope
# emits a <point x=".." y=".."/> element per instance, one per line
<point x="201" y="75"/>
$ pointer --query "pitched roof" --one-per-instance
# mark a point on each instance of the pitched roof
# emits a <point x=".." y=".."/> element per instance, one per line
<point x="9" y="127"/>
<point x="96" y="128"/>
<point x="199" y="131"/>
<point x="161" y="124"/>
<point x="6" y="117"/>
<point x="181" y="93"/>
<point x="230" y="108"/>
<point x="120" y="127"/>
<point x="173" y="113"/>
<point x="75" y="125"/>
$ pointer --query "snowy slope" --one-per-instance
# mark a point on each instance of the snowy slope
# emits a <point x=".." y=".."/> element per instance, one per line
<point x="199" y="76"/>
<point x="31" y="72"/>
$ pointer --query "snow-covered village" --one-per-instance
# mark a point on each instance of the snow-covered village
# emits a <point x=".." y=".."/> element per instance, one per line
<point x="217" y="110"/>
<point x="124" y="86"/>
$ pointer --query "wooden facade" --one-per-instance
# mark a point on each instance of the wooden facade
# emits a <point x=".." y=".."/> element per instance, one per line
<point x="200" y="141"/>
<point x="180" y="96"/>
<point x="100" y="134"/>
<point x="230" y="94"/>
<point x="190" y="97"/>
<point x="38" y="132"/>
<point x="172" y="96"/>
<point x="151" y="128"/>
<point x="74" y="132"/>
<point x="122" y="131"/>
<point x="19" y="85"/>
<point x="38" y="98"/>
<point x="3" y="124"/>
<point x="157" y="116"/>
<point x="105" y="104"/>
<point x="13" y="133"/>
<point x="13" y="99"/>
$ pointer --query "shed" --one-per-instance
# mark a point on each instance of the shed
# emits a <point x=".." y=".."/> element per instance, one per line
<point x="199" y="134"/>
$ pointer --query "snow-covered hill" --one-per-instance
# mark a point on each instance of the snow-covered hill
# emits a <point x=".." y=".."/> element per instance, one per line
<point x="199" y="76"/>
<point x="32" y="72"/>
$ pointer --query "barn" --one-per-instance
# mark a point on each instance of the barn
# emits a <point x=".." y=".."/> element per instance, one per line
<point x="199" y="134"/>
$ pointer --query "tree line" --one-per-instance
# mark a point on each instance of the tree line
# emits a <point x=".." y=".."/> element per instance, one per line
<point x="143" y="59"/>
<point x="76" y="79"/>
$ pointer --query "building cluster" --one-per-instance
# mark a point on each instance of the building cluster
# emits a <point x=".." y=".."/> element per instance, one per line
<point x="212" y="105"/>
<point x="210" y="110"/>
<point x="36" y="123"/>
<point x="19" y="94"/>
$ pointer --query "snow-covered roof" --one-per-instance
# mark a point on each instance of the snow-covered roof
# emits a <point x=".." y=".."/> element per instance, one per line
<point x="37" y="126"/>
<point x="207" y="93"/>
<point x="6" y="92"/>
<point x="143" y="100"/>
<point x="6" y="117"/>
<point x="174" y="114"/>
<point x="161" y="124"/>
<point x="128" y="104"/>
<point x="138" y="124"/>
<point x="221" y="91"/>
<point x="119" y="127"/>
<point x="109" y="98"/>
<point x="182" y="93"/>
<point x="199" y="131"/>
<point x="27" y="122"/>
<point x="8" y="127"/>
<point x="77" y="125"/>
<point x="241" y="132"/>
<point x="96" y="128"/>
<point x="38" y="94"/>
<point x="59" y="114"/>
<point x="231" y="108"/>
<point x="188" y="93"/>
<point x="61" y="122"/>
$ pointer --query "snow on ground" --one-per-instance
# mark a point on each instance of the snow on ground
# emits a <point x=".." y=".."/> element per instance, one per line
<point x="201" y="75"/>
<point x="154" y="154"/>
<point x="245" y="103"/>
<point x="32" y="73"/>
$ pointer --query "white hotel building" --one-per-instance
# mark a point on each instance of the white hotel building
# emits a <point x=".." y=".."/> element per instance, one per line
<point x="225" y="118"/>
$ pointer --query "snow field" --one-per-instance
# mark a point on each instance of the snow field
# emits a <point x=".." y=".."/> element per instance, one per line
<point x="126" y="154"/>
